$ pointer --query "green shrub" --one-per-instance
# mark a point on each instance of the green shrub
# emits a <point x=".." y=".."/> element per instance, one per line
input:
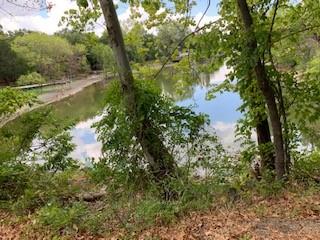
<point x="13" y="181"/>
<point x="307" y="168"/>
<point x="149" y="211"/>
<point x="197" y="195"/>
<point x="57" y="217"/>
<point x="31" y="78"/>
<point x="97" y="221"/>
<point x="44" y="187"/>
<point x="12" y="99"/>
<point x="267" y="186"/>
<point x="183" y="133"/>
<point x="56" y="153"/>
<point x="270" y="187"/>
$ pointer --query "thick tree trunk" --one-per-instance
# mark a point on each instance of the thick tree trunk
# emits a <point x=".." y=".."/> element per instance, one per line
<point x="160" y="161"/>
<point x="266" y="89"/>
<point x="264" y="138"/>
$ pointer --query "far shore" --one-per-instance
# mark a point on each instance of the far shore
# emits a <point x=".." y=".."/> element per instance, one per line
<point x="62" y="92"/>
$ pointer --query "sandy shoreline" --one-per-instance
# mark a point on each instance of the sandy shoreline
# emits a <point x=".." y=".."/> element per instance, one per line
<point x="64" y="91"/>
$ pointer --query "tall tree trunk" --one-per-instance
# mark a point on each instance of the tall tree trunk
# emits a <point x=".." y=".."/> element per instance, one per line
<point x="264" y="138"/>
<point x="286" y="137"/>
<point x="160" y="160"/>
<point x="119" y="52"/>
<point x="262" y="127"/>
<point x="266" y="89"/>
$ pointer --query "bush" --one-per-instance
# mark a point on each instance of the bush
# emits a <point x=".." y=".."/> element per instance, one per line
<point x="13" y="181"/>
<point x="12" y="99"/>
<point x="31" y="78"/>
<point x="57" y="150"/>
<point x="307" y="168"/>
<point x="151" y="210"/>
<point x="57" y="217"/>
<point x="43" y="187"/>
<point x="183" y="133"/>
<point x="268" y="186"/>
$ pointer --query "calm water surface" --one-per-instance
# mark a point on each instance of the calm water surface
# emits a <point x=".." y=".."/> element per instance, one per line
<point x="84" y="107"/>
<point x="222" y="111"/>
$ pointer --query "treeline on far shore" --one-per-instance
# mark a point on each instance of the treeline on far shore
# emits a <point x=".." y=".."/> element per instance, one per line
<point x="29" y="57"/>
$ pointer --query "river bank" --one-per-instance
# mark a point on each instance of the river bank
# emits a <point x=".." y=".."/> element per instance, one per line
<point x="289" y="214"/>
<point x="57" y="94"/>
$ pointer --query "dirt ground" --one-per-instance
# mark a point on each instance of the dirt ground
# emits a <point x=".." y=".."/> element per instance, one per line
<point x="239" y="224"/>
<point x="289" y="217"/>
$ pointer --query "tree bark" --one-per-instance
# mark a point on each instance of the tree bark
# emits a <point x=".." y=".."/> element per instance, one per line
<point x="262" y="127"/>
<point x="283" y="114"/>
<point x="119" y="52"/>
<point x="264" y="137"/>
<point x="266" y="89"/>
<point x="160" y="160"/>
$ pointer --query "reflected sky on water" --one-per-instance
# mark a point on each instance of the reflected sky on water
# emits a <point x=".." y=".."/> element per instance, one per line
<point x="222" y="111"/>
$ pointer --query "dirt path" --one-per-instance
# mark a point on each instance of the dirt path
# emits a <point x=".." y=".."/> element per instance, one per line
<point x="61" y="92"/>
<point x="69" y="89"/>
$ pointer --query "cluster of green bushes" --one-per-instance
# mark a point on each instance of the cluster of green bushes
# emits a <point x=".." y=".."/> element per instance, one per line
<point x="31" y="78"/>
<point x="55" y="204"/>
<point x="54" y="200"/>
<point x="32" y="57"/>
<point x="48" y="185"/>
<point x="13" y="99"/>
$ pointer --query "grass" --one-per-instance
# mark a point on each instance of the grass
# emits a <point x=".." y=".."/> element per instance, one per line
<point x="51" y="205"/>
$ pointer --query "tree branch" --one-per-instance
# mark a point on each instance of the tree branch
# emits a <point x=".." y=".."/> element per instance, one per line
<point x="180" y="42"/>
<point x="40" y="8"/>
<point x="296" y="32"/>
<point x="272" y="23"/>
<point x="189" y="49"/>
<point x="205" y="12"/>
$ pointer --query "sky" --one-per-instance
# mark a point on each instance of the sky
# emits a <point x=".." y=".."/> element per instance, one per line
<point x="33" y="17"/>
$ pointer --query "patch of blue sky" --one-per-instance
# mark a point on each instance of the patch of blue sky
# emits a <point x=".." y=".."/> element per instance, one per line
<point x="43" y="13"/>
<point x="199" y="7"/>
<point x="121" y="7"/>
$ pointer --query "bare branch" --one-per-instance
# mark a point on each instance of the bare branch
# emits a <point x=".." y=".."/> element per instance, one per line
<point x="42" y="6"/>
<point x="205" y="12"/>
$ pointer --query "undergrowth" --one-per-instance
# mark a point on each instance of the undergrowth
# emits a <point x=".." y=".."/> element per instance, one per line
<point x="58" y="209"/>
<point x="53" y="196"/>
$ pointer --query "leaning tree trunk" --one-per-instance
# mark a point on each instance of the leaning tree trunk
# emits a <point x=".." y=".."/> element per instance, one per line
<point x="160" y="161"/>
<point x="266" y="89"/>
<point x="119" y="52"/>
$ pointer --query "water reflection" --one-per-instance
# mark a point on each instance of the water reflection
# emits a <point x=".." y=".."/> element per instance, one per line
<point x="87" y="145"/>
<point x="221" y="110"/>
<point x="84" y="107"/>
<point x="81" y="109"/>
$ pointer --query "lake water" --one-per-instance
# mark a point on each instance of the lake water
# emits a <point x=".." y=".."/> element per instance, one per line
<point x="84" y="107"/>
<point x="222" y="111"/>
